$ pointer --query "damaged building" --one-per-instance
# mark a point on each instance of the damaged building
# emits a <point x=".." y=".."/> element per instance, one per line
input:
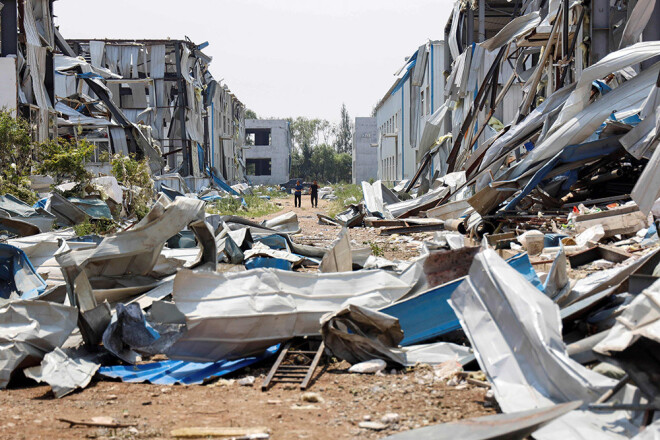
<point x="166" y="87"/>
<point x="152" y="98"/>
<point x="267" y="151"/>
<point x="415" y="95"/>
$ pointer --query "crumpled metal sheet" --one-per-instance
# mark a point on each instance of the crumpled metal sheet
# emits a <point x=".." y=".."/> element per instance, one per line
<point x="17" y="275"/>
<point x="614" y="61"/>
<point x="647" y="188"/>
<point x="286" y="223"/>
<point x="186" y="373"/>
<point x="513" y="426"/>
<point x="62" y="373"/>
<point x="133" y="252"/>
<point x="641" y="319"/>
<point x="515" y="28"/>
<point x="516" y="333"/>
<point x="29" y="330"/>
<point x="374" y="198"/>
<point x="629" y="96"/>
<point x="358" y="334"/>
<point x="651" y="432"/>
<point x="339" y="259"/>
<point x="235" y="315"/>
<point x="14" y="208"/>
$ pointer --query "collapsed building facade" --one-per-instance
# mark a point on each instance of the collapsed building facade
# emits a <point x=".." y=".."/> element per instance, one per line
<point x="510" y="69"/>
<point x="151" y="98"/>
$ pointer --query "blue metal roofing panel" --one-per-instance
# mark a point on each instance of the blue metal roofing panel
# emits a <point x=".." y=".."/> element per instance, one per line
<point x="182" y="372"/>
<point x="429" y="315"/>
<point x="275" y="263"/>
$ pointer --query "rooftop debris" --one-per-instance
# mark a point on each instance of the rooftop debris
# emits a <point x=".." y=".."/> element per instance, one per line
<point x="525" y="239"/>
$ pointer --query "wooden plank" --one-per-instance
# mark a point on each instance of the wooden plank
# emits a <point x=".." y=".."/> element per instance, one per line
<point x="222" y="432"/>
<point x="313" y="366"/>
<point x="412" y="229"/>
<point x="384" y="223"/>
<point x="271" y="373"/>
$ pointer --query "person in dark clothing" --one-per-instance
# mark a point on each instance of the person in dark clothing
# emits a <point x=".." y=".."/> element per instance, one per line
<point x="315" y="194"/>
<point x="297" y="195"/>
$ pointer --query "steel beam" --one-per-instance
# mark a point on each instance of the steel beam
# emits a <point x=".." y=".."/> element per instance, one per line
<point x="600" y="29"/>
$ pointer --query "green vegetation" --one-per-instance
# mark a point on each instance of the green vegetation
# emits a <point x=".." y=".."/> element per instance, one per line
<point x="15" y="158"/>
<point x="322" y="150"/>
<point x="64" y="160"/>
<point x="377" y="250"/>
<point x="256" y="206"/>
<point x="134" y="174"/>
<point x="344" y="192"/>
<point x="95" y="227"/>
<point x="263" y="191"/>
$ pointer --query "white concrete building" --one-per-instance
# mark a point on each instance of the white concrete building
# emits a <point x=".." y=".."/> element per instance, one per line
<point x="267" y="151"/>
<point x="400" y="115"/>
<point x="365" y="150"/>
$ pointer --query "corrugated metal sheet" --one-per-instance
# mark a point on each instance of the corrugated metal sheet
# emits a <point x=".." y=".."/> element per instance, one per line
<point x="182" y="372"/>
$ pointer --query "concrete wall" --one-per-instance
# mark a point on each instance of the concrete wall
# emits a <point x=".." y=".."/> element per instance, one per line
<point x="8" y="85"/>
<point x="365" y="157"/>
<point x="279" y="151"/>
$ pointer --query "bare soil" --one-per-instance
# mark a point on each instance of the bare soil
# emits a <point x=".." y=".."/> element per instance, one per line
<point x="31" y="411"/>
<point x="392" y="247"/>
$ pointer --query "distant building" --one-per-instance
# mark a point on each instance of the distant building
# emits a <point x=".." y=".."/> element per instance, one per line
<point x="365" y="150"/>
<point x="267" y="151"/>
<point x="401" y="114"/>
<point x="166" y="86"/>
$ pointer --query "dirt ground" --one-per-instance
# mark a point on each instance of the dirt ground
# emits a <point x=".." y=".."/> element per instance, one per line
<point x="392" y="247"/>
<point x="31" y="411"/>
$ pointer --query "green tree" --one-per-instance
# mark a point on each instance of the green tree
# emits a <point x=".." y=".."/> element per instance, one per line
<point x="343" y="143"/>
<point x="15" y="158"/>
<point x="250" y="114"/>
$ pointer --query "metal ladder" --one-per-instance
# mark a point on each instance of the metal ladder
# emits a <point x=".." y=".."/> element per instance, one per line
<point x="296" y="363"/>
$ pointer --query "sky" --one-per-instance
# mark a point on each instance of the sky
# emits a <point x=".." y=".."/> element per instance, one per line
<point x="281" y="58"/>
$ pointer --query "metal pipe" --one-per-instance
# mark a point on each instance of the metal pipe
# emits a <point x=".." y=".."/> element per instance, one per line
<point x="456" y="224"/>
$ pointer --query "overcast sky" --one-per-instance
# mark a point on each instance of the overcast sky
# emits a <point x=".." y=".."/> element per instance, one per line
<point x="280" y="57"/>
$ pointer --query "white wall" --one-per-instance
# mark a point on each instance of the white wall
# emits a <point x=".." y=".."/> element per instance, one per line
<point x="397" y="158"/>
<point x="365" y="157"/>
<point x="8" y="84"/>
<point x="279" y="151"/>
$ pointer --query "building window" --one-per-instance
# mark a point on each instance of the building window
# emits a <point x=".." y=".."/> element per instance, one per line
<point x="258" y="167"/>
<point x="257" y="136"/>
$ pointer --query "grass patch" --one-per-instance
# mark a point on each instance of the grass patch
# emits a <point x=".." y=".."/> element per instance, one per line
<point x="256" y="206"/>
<point x="274" y="194"/>
<point x="344" y="192"/>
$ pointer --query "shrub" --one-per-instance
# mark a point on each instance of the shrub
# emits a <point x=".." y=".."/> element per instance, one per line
<point x="135" y="175"/>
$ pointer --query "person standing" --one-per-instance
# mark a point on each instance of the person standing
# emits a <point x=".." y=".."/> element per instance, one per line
<point x="297" y="195"/>
<point x="315" y="194"/>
